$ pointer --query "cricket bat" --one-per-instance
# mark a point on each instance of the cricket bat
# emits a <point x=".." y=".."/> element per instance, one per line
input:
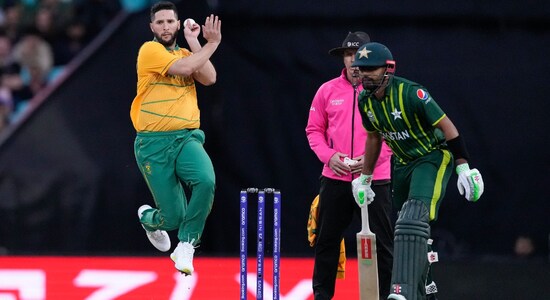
<point x="367" y="258"/>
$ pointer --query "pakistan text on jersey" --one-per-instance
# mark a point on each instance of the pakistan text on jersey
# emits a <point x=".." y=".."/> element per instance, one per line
<point x="399" y="136"/>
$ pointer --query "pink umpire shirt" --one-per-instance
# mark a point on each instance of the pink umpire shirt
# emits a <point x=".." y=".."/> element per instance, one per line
<point x="329" y="128"/>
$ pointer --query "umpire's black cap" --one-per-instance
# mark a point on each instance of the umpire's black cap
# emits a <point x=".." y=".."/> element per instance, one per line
<point x="354" y="40"/>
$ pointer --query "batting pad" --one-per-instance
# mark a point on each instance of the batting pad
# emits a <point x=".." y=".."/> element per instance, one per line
<point x="410" y="262"/>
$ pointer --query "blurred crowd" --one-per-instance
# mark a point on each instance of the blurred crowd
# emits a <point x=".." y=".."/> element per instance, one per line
<point x="38" y="38"/>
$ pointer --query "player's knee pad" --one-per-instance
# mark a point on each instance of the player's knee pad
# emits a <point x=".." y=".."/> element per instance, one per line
<point x="410" y="248"/>
<point x="413" y="220"/>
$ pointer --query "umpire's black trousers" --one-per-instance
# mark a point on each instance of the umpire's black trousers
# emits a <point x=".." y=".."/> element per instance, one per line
<point x="336" y="210"/>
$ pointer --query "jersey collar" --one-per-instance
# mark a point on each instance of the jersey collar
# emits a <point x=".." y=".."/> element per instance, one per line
<point x="176" y="47"/>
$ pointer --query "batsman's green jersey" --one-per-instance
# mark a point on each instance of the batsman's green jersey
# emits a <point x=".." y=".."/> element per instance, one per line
<point x="406" y="117"/>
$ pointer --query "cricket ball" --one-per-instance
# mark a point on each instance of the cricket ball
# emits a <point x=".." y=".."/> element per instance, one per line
<point x="188" y="22"/>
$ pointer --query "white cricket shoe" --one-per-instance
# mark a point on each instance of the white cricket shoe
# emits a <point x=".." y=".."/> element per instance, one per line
<point x="159" y="238"/>
<point x="396" y="297"/>
<point x="183" y="257"/>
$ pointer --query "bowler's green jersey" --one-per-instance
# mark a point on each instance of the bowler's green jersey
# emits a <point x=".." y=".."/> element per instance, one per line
<point x="405" y="117"/>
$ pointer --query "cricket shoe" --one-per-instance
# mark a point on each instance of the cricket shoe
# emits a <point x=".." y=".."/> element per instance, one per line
<point x="183" y="257"/>
<point x="396" y="297"/>
<point x="159" y="238"/>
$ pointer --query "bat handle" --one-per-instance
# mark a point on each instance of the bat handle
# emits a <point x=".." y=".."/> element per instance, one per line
<point x="365" y="218"/>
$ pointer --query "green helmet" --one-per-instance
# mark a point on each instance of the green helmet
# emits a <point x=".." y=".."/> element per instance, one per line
<point x="373" y="55"/>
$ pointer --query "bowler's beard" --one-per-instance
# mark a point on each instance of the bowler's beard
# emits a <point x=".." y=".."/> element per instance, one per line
<point x="165" y="43"/>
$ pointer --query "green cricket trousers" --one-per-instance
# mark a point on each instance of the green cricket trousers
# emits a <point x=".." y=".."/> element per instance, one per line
<point x="423" y="179"/>
<point x="419" y="188"/>
<point x="169" y="160"/>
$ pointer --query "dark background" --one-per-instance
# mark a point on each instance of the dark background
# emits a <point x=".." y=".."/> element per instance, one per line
<point x="68" y="179"/>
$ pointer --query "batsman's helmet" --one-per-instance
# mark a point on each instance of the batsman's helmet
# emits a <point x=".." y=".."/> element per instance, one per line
<point x="373" y="55"/>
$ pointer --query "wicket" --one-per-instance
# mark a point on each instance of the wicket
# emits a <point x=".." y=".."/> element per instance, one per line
<point x="260" y="241"/>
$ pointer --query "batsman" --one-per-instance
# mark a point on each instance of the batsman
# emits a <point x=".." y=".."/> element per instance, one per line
<point x="426" y="147"/>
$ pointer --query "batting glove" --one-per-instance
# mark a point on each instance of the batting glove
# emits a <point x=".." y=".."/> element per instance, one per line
<point x="362" y="191"/>
<point x="470" y="182"/>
